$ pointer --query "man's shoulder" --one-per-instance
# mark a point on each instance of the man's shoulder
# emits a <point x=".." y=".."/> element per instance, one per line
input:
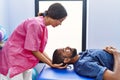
<point x="89" y="51"/>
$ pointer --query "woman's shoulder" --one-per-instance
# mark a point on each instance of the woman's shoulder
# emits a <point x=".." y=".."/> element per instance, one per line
<point x="36" y="21"/>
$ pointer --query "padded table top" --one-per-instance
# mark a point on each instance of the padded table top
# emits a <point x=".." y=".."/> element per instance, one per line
<point x="49" y="73"/>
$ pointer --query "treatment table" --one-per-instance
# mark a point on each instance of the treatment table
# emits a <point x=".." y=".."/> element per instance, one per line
<point x="49" y="73"/>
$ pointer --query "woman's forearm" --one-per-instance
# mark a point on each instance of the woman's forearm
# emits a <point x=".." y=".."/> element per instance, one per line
<point x="45" y="54"/>
<point x="42" y="57"/>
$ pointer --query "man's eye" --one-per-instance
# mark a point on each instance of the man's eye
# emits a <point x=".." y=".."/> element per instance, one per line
<point x="64" y="49"/>
<point x="67" y="50"/>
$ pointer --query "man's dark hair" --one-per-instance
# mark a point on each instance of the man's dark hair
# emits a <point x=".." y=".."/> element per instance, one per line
<point x="57" y="57"/>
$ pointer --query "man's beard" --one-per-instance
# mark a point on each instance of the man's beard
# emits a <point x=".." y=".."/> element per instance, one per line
<point x="74" y="53"/>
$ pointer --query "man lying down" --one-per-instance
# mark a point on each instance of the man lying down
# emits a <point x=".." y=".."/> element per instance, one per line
<point x="99" y="64"/>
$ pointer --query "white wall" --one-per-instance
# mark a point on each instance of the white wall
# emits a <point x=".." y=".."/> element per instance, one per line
<point x="4" y="14"/>
<point x="13" y="12"/>
<point x="103" y="23"/>
<point x="18" y="11"/>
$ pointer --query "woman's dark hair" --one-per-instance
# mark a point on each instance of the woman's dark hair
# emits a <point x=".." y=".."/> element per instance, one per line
<point x="55" y="11"/>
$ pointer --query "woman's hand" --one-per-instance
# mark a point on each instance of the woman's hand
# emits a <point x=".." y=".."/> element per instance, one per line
<point x="59" y="66"/>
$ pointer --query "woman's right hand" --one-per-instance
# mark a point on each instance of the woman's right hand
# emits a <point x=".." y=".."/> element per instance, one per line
<point x="59" y="66"/>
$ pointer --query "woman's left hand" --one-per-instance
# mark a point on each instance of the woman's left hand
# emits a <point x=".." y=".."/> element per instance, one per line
<point x="59" y="66"/>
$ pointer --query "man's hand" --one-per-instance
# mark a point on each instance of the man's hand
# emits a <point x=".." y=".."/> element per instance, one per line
<point x="111" y="50"/>
<point x="115" y="73"/>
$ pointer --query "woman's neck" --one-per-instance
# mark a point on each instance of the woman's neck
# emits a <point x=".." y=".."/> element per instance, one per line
<point x="46" y="21"/>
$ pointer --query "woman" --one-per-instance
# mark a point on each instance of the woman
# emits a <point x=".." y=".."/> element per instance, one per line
<point x="25" y="47"/>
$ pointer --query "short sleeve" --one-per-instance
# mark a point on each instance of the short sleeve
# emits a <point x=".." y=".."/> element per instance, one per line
<point x="90" y="69"/>
<point x="32" y="40"/>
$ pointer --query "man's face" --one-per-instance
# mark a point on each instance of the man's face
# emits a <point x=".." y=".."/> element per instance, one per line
<point x="68" y="52"/>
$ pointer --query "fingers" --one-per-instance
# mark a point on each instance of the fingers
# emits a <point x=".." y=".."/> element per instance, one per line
<point x="57" y="65"/>
<point x="106" y="48"/>
<point x="110" y="49"/>
<point x="60" y="66"/>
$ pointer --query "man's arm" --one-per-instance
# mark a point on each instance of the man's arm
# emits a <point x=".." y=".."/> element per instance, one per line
<point x="115" y="74"/>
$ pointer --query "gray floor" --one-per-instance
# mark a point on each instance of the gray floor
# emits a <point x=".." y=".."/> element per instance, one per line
<point x="39" y="67"/>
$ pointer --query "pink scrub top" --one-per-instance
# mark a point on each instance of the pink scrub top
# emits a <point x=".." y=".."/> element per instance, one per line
<point x="16" y="55"/>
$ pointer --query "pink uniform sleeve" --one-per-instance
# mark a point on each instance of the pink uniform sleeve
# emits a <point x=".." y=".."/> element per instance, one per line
<point x="32" y="40"/>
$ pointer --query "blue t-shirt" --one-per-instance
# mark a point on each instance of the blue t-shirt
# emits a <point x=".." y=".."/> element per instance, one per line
<point x="92" y="63"/>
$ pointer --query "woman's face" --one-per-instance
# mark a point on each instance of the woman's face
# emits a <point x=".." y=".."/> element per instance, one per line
<point x="56" y="22"/>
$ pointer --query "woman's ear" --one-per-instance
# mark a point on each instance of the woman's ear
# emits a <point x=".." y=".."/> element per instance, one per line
<point x="67" y="60"/>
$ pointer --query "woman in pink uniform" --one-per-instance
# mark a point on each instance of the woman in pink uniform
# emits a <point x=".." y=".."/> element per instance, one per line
<point x="25" y="47"/>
